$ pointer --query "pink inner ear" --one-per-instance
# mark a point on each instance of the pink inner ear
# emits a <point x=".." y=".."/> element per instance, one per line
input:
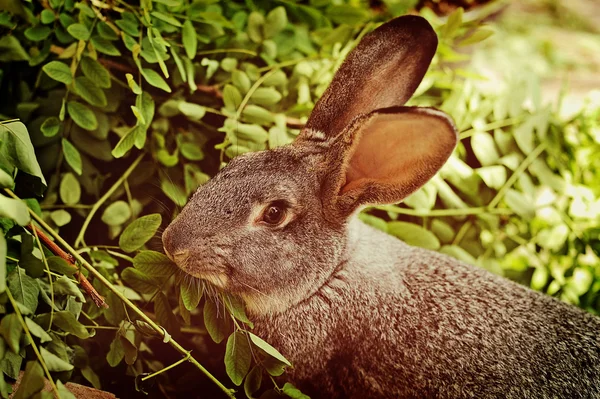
<point x="399" y="152"/>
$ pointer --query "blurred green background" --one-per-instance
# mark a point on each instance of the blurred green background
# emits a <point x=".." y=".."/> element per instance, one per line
<point x="131" y="105"/>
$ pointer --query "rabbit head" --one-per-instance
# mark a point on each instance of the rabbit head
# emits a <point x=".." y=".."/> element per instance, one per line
<point x="271" y="227"/>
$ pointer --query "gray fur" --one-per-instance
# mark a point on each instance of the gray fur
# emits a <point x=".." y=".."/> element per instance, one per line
<point x="359" y="313"/>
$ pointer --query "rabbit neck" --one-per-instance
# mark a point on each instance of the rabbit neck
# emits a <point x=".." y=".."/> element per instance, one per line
<point x="265" y="306"/>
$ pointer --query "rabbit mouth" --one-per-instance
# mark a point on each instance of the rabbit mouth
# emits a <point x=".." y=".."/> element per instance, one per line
<point x="215" y="275"/>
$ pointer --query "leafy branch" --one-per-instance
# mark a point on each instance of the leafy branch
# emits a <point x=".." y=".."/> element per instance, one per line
<point x="140" y="313"/>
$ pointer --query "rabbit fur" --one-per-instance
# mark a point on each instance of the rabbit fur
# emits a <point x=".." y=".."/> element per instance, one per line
<point x="359" y="313"/>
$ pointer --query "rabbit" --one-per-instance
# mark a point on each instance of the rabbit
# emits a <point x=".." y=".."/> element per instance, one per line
<point x="359" y="313"/>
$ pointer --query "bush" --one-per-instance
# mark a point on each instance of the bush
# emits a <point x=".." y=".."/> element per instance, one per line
<point x="129" y="108"/>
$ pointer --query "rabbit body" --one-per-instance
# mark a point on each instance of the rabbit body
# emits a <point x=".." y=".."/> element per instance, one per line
<point x="404" y="322"/>
<point x="359" y="313"/>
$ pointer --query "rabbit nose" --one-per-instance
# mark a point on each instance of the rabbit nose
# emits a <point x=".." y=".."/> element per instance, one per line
<point x="172" y="244"/>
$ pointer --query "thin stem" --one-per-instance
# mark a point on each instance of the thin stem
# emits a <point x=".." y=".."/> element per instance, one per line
<point x="33" y="345"/>
<point x="461" y="233"/>
<point x="513" y="178"/>
<point x="10" y="121"/>
<point x="104" y="198"/>
<point x="61" y="206"/>
<point x="491" y="126"/>
<point x="39" y="244"/>
<point x="225" y="50"/>
<point x="445" y="212"/>
<point x="177" y="363"/>
<point x="156" y="327"/>
<point x="289" y="63"/>
<point x="120" y="255"/>
<point x="254" y="87"/>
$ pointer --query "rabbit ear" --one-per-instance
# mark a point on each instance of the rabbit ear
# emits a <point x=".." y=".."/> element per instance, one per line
<point x="383" y="157"/>
<point x="383" y="71"/>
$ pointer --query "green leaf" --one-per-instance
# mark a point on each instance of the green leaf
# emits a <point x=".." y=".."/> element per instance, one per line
<point x="266" y="96"/>
<point x="189" y="39"/>
<point x="154" y="79"/>
<point x="65" y="286"/>
<point x="47" y="16"/>
<point x="255" y="24"/>
<point x="218" y="327"/>
<point x="11" y="329"/>
<point x="241" y="80"/>
<point x="24" y="289"/>
<point x="253" y="381"/>
<point x="37" y="33"/>
<point x="105" y="31"/>
<point x="459" y="253"/>
<point x="164" y="313"/>
<point x="519" y="203"/>
<point x="79" y="31"/>
<point x="82" y="115"/>
<point x="236" y="308"/>
<point x="484" y="148"/>
<point x="72" y="156"/>
<point x="231" y="97"/>
<point x="126" y="142"/>
<point x="58" y="71"/>
<point x="268" y="348"/>
<point x="138" y="232"/>
<point x="37" y="331"/>
<point x="32" y="382"/>
<point x="346" y="14"/>
<point x="51" y="126"/>
<point x="60" y="217"/>
<point x="130" y="350"/>
<point x="413" y="234"/>
<point x="116" y="352"/>
<point x="132" y="84"/>
<point x="454" y="22"/>
<point x="139" y="281"/>
<point x="17" y="150"/>
<point x="105" y="47"/>
<point x="53" y="362"/>
<point x="275" y="23"/>
<point x="6" y="180"/>
<point x="293" y="392"/>
<point x="59" y="265"/>
<point x="238" y="357"/>
<point x="479" y="35"/>
<point x="253" y="133"/>
<point x="11" y="364"/>
<point x="66" y="321"/>
<point x="15" y="210"/>
<point x="167" y="18"/>
<point x="89" y="91"/>
<point x="116" y="213"/>
<point x="174" y="192"/>
<point x="63" y="391"/>
<point x="191" y="291"/>
<point x="11" y="49"/>
<point x="191" y="111"/>
<point x="70" y="190"/>
<point x="493" y="176"/>
<point x="90" y="375"/>
<point x="95" y="72"/>
<point x="154" y="264"/>
<point x="3" y="253"/>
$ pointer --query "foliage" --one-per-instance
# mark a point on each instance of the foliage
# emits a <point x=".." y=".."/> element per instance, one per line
<point x="129" y="106"/>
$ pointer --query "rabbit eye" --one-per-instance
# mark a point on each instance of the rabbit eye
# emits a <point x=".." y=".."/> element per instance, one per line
<point x="274" y="213"/>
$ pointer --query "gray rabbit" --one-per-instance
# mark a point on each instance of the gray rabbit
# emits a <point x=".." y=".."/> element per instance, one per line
<point x="359" y="313"/>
